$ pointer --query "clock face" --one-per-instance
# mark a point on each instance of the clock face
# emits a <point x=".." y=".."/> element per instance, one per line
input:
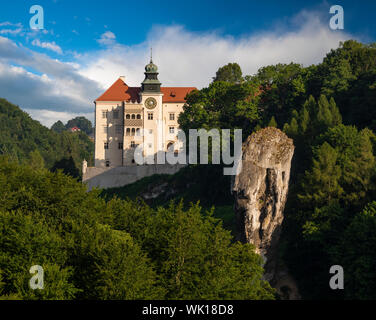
<point x="150" y="103"/>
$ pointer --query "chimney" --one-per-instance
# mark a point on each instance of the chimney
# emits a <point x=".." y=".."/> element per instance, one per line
<point x="122" y="78"/>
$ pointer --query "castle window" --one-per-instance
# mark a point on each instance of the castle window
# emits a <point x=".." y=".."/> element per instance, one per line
<point x="128" y="116"/>
<point x="133" y="116"/>
<point x="137" y="131"/>
<point x="128" y="132"/>
<point x="133" y="131"/>
<point x="107" y="163"/>
<point x="172" y="129"/>
<point x="150" y="115"/>
<point x="120" y="145"/>
<point x="138" y="116"/>
<point x="133" y="145"/>
<point x="118" y="129"/>
<point x="116" y="114"/>
<point x="172" y="116"/>
<point x="106" y="145"/>
<point x="104" y="114"/>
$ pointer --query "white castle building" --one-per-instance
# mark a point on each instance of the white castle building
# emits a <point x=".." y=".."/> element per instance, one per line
<point x="123" y="113"/>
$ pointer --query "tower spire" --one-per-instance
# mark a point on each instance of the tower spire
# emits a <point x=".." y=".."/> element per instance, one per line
<point x="151" y="82"/>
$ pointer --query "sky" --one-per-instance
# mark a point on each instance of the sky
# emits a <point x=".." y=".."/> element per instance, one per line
<point x="57" y="72"/>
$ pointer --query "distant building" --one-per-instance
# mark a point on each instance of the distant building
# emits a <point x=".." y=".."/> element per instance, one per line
<point x="122" y="111"/>
<point x="74" y="129"/>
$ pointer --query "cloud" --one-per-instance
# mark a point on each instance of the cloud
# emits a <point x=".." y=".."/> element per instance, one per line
<point x="48" y="45"/>
<point x="107" y="38"/>
<point x="51" y="89"/>
<point x="48" y="117"/>
<point x="11" y="31"/>
<point x="191" y="59"/>
<point x="7" y="23"/>
<point x="35" y="81"/>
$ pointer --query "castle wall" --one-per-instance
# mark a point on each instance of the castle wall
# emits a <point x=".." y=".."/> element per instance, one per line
<point x="104" y="178"/>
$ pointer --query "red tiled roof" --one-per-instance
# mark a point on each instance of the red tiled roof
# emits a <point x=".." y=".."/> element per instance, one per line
<point x="119" y="91"/>
<point x="175" y="94"/>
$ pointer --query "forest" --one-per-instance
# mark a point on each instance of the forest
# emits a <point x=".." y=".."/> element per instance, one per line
<point x="111" y="244"/>
<point x="26" y="141"/>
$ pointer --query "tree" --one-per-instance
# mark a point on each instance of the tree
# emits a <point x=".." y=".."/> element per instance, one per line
<point x="272" y="123"/>
<point x="68" y="167"/>
<point x="36" y="161"/>
<point x="58" y="127"/>
<point x="222" y="105"/>
<point x="231" y="73"/>
<point x="20" y="135"/>
<point x="193" y="255"/>
<point x="91" y="249"/>
<point x="84" y="124"/>
<point x="356" y="253"/>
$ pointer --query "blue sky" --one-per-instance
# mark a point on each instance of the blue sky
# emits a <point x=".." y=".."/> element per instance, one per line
<point x="56" y="73"/>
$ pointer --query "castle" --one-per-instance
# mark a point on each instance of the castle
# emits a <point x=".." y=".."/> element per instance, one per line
<point x="122" y="113"/>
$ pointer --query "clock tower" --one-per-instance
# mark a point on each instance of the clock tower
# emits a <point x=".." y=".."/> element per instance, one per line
<point x="152" y="99"/>
<point x="151" y="82"/>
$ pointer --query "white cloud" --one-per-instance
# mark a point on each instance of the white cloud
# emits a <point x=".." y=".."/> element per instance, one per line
<point x="51" y="89"/>
<point x="7" y="23"/>
<point x="35" y="81"/>
<point x="48" y="117"/>
<point x="107" y="38"/>
<point x="186" y="58"/>
<point x="47" y="45"/>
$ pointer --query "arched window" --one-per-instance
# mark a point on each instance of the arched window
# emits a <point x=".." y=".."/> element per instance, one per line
<point x="138" y="116"/>
<point x="128" y="116"/>
<point x="133" y="116"/>
<point x="137" y="131"/>
<point x="133" y="131"/>
<point x="128" y="132"/>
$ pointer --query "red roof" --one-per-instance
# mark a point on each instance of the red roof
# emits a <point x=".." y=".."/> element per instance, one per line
<point x="119" y="91"/>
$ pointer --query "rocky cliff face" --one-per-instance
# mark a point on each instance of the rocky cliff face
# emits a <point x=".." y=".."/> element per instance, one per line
<point x="260" y="191"/>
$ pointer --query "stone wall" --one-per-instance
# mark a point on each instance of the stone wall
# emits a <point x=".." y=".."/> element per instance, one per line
<point x="120" y="176"/>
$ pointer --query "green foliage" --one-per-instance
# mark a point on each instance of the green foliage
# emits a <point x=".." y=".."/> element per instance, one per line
<point x="67" y="166"/>
<point x="283" y="87"/>
<point x="272" y="123"/>
<point x="231" y="73"/>
<point x="82" y="123"/>
<point x="356" y="253"/>
<point x="58" y="127"/>
<point x="222" y="105"/>
<point x="23" y="139"/>
<point x="35" y="160"/>
<point x="91" y="249"/>
<point x="194" y="255"/>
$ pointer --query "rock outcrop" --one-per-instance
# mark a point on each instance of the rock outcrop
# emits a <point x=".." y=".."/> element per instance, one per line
<point x="260" y="190"/>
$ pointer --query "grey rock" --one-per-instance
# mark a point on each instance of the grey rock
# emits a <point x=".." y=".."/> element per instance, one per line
<point x="260" y="189"/>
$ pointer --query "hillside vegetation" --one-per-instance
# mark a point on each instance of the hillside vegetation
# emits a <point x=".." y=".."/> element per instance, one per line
<point x="92" y="249"/>
<point x="25" y="140"/>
